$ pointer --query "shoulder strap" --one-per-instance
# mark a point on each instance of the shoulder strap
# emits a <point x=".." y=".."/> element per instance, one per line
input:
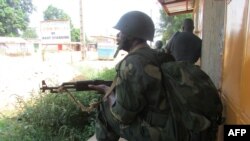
<point x="112" y="87"/>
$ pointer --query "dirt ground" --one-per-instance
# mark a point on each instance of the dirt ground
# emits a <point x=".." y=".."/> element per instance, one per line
<point x="21" y="76"/>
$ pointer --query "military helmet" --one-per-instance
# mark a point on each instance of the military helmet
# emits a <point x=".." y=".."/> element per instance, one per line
<point x="136" y="24"/>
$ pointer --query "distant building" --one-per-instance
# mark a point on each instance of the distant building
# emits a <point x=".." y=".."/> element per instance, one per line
<point x="104" y="39"/>
<point x="15" y="46"/>
<point x="105" y="46"/>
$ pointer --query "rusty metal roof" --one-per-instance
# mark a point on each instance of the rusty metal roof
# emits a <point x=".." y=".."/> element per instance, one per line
<point x="175" y="7"/>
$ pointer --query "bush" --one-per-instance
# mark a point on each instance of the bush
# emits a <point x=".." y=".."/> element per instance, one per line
<point x="53" y="117"/>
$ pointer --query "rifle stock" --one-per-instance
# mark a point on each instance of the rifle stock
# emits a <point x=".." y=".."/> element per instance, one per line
<point x="74" y="86"/>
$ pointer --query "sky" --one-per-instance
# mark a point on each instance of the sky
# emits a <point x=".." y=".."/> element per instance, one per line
<point x="99" y="15"/>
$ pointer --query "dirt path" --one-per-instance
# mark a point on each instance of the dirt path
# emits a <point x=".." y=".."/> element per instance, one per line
<point x="22" y="76"/>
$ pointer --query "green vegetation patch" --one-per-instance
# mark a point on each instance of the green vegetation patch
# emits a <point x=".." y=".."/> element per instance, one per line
<point x="53" y="117"/>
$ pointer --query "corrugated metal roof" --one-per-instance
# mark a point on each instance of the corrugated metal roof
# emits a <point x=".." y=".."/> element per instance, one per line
<point x="175" y="7"/>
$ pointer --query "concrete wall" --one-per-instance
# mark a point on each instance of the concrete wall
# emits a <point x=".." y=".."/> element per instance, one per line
<point x="213" y="38"/>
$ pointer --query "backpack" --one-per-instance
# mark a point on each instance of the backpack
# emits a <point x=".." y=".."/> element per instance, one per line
<point x="196" y="107"/>
<point x="194" y="100"/>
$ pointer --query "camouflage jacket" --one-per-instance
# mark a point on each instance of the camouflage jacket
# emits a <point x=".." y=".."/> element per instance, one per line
<point x="139" y="90"/>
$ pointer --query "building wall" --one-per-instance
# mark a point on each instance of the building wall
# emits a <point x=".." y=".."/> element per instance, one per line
<point x="236" y="66"/>
<point x="212" y="38"/>
<point x="104" y="39"/>
<point x="225" y="32"/>
<point x="198" y="17"/>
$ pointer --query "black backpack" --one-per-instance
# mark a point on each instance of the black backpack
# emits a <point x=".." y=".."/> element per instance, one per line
<point x="194" y="100"/>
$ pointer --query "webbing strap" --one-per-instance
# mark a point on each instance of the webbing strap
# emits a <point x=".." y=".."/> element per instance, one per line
<point x="110" y="89"/>
<point x="78" y="103"/>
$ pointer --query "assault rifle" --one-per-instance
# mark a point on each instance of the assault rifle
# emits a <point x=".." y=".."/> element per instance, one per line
<point x="74" y="86"/>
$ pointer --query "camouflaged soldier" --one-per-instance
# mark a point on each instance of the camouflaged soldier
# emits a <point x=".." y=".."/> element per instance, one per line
<point x="137" y="108"/>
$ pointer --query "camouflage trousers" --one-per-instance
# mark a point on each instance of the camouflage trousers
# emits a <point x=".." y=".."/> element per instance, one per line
<point x="109" y="129"/>
<point x="103" y="128"/>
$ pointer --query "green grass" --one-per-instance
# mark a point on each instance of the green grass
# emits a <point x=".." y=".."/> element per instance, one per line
<point x="52" y="117"/>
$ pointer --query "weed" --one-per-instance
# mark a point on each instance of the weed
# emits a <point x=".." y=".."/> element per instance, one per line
<point x="52" y="117"/>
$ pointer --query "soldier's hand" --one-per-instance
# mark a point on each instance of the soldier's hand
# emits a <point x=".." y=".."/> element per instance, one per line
<point x="102" y="89"/>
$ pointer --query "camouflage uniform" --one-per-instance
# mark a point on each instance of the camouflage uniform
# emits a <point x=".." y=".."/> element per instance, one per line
<point x="141" y="110"/>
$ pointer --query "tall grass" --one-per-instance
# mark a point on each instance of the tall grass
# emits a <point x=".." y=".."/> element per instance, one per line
<point x="53" y="117"/>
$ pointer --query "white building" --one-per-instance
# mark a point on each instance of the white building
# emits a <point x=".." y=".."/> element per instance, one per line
<point x="15" y="46"/>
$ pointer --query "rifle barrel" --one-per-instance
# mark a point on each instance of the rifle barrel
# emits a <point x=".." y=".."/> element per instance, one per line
<point x="75" y="86"/>
<point x="83" y="85"/>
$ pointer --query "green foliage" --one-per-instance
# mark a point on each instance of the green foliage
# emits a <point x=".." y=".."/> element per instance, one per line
<point x="60" y="116"/>
<point x="75" y="34"/>
<point x="53" y="13"/>
<point x="48" y="117"/>
<point x="30" y="33"/>
<point x="91" y="73"/>
<point x="106" y="74"/>
<point x="14" y="16"/>
<point x="170" y="24"/>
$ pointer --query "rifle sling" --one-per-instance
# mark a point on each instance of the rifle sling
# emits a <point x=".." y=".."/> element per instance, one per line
<point x="110" y="89"/>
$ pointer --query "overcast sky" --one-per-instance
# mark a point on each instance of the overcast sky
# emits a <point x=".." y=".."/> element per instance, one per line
<point x="100" y="15"/>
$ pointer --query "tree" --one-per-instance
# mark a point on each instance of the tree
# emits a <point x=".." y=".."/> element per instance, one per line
<point x="53" y="13"/>
<point x="14" y="16"/>
<point x="170" y="24"/>
<point x="30" y="33"/>
<point x="75" y="35"/>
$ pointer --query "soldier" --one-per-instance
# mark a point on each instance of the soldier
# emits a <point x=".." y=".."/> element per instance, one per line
<point x="185" y="45"/>
<point x="158" y="44"/>
<point x="135" y="107"/>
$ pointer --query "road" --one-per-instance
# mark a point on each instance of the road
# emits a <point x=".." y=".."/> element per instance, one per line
<point x="22" y="76"/>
